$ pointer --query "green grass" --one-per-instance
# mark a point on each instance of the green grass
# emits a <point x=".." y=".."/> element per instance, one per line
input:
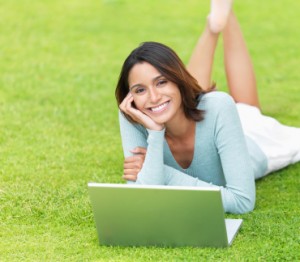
<point x="59" y="63"/>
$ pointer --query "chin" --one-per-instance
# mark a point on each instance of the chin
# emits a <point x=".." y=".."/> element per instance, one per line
<point x="161" y="119"/>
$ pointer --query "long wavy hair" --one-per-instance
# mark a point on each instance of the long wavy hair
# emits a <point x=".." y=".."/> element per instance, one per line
<point x="167" y="62"/>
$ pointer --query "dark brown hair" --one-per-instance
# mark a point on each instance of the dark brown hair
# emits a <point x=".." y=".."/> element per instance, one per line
<point x="166" y="61"/>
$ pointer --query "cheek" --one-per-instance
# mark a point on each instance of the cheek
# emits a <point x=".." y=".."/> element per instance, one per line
<point x="138" y="103"/>
<point x="175" y="92"/>
<point x="178" y="97"/>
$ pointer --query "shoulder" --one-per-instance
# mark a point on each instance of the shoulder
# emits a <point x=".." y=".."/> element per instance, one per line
<point x="219" y="110"/>
<point x="216" y="101"/>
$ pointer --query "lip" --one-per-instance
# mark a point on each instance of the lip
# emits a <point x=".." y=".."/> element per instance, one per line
<point x="160" y="108"/>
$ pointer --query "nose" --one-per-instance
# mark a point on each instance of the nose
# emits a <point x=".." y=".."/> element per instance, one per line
<point x="154" y="95"/>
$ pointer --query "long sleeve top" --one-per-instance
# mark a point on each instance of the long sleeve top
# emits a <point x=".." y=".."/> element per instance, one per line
<point x="223" y="156"/>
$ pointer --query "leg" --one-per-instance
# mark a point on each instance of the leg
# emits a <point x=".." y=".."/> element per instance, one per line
<point x="238" y="66"/>
<point x="201" y="61"/>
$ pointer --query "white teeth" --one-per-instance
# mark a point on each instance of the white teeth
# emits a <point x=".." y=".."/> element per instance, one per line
<point x="160" y="107"/>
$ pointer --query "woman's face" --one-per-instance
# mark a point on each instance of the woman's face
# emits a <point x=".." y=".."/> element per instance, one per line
<point x="153" y="94"/>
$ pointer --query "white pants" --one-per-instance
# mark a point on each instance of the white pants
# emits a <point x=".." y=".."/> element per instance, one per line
<point x="280" y="143"/>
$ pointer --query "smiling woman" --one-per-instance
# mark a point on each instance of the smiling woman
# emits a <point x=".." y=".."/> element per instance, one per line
<point x="177" y="131"/>
<point x="167" y="67"/>
<point x="157" y="97"/>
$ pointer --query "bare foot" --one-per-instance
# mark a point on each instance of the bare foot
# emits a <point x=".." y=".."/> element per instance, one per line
<point x="219" y="11"/>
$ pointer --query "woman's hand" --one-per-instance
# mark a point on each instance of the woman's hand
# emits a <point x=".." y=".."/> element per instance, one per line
<point x="133" y="164"/>
<point x="138" y="116"/>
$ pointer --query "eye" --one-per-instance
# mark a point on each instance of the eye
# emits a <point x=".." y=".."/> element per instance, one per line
<point x="139" y="90"/>
<point x="161" y="82"/>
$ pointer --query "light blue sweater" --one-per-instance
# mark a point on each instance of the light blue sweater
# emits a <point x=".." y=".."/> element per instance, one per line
<point x="223" y="156"/>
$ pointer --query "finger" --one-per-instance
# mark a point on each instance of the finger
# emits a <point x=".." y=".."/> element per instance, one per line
<point x="133" y="167"/>
<point x="130" y="159"/>
<point x="139" y="150"/>
<point x="138" y="158"/>
<point x="131" y="164"/>
<point x="128" y="109"/>
<point x="131" y="171"/>
<point x="128" y="101"/>
<point x="137" y="162"/>
<point x="124" y="103"/>
<point x="130" y="177"/>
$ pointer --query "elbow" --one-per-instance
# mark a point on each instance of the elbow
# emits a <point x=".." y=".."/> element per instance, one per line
<point x="240" y="203"/>
<point x="245" y="200"/>
<point x="246" y="204"/>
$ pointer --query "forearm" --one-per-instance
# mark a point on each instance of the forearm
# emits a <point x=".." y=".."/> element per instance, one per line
<point x="152" y="172"/>
<point x="234" y="199"/>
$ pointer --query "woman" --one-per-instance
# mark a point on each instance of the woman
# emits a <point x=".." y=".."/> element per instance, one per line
<point x="177" y="131"/>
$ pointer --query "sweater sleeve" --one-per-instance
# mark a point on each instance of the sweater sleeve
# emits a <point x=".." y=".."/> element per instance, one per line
<point x="239" y="192"/>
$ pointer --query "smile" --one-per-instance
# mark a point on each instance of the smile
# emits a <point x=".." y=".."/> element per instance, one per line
<point x="159" y="108"/>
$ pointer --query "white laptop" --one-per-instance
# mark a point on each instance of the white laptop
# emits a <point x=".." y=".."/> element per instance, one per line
<point x="135" y="215"/>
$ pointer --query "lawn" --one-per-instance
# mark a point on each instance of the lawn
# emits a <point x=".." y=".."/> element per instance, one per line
<point x="59" y="63"/>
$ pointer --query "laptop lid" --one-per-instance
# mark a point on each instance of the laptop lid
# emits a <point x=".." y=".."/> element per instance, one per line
<point x="135" y="215"/>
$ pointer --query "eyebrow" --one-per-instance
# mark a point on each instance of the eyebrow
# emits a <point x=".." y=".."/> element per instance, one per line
<point x="153" y="80"/>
